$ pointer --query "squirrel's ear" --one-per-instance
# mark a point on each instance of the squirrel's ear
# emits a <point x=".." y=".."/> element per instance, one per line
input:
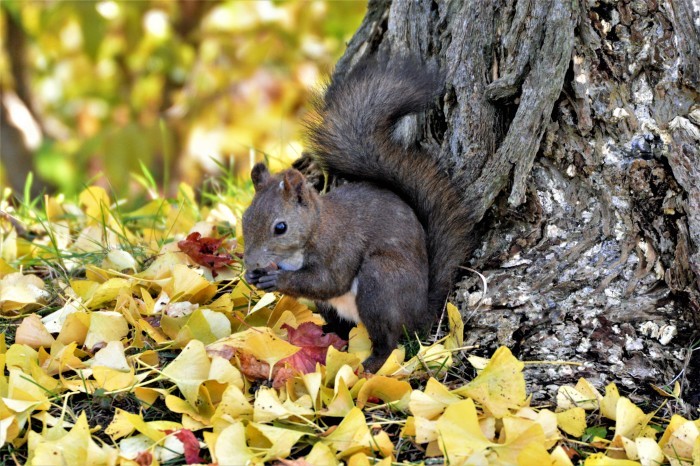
<point x="259" y="175"/>
<point x="294" y="186"/>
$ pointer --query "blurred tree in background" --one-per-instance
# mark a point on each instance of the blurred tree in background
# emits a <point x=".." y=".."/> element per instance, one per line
<point x="184" y="87"/>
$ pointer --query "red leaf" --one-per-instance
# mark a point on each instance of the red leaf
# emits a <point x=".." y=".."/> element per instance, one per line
<point x="203" y="250"/>
<point x="314" y="346"/>
<point x="145" y="458"/>
<point x="191" y="446"/>
<point x="251" y="367"/>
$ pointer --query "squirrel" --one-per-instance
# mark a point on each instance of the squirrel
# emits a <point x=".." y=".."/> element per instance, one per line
<point x="382" y="249"/>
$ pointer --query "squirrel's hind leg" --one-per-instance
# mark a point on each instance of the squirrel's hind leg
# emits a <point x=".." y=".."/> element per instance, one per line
<point x="392" y="296"/>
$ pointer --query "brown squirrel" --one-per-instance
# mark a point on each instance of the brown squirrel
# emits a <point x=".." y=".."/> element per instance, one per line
<point x="382" y="249"/>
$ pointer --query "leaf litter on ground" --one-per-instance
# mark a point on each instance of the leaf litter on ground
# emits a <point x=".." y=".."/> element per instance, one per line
<point x="216" y="373"/>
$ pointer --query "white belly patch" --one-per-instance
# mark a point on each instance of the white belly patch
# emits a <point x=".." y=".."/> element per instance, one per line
<point x="346" y="305"/>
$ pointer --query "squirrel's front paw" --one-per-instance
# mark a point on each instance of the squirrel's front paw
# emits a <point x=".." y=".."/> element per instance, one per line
<point x="253" y="276"/>
<point x="263" y="279"/>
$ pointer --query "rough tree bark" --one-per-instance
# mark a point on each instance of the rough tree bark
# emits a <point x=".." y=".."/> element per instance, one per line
<point x="573" y="128"/>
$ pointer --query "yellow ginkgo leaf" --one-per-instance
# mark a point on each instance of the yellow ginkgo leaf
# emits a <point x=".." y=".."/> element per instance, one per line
<point x="266" y="346"/>
<point x="682" y="441"/>
<point x="21" y="292"/>
<point x="435" y="357"/>
<point x="321" y="454"/>
<point x="154" y="430"/>
<point x="431" y="402"/>
<point x="107" y="292"/>
<point x="351" y="435"/>
<point x="203" y="324"/>
<point x="233" y="405"/>
<point x="342" y="402"/>
<point x="584" y="387"/>
<point x="500" y="386"/>
<point x="648" y="451"/>
<point x="112" y="356"/>
<point x="509" y="452"/>
<point x="31" y="332"/>
<point x="559" y="457"/>
<point x="224" y="372"/>
<point x="544" y="417"/>
<point x="105" y="326"/>
<point x="608" y="404"/>
<point x="231" y="447"/>
<point x="189" y="370"/>
<point x="631" y="420"/>
<point x="359" y="343"/>
<point x="54" y="321"/>
<point x="23" y="387"/>
<point x="201" y="411"/>
<point x="569" y="397"/>
<point x="161" y="269"/>
<point x="121" y="424"/>
<point x="188" y="284"/>
<point x="94" y="201"/>
<point x="266" y="300"/>
<point x="21" y="356"/>
<point x="299" y="310"/>
<point x="268" y="407"/>
<point x="389" y="390"/>
<point x="335" y="360"/>
<point x="277" y="442"/>
<point x="393" y="364"/>
<point x="74" y="329"/>
<point x="459" y="433"/>
<point x="455" y="339"/>
<point x="75" y="447"/>
<point x="599" y="459"/>
<point x="425" y="430"/>
<point x="111" y="379"/>
<point x="9" y="429"/>
<point x="120" y="261"/>
<point x="312" y="384"/>
<point x="572" y="421"/>
<point x="382" y="444"/>
<point x="534" y="453"/>
<point x="675" y="422"/>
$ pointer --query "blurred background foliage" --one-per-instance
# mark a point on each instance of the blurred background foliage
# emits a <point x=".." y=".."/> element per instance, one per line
<point x="174" y="90"/>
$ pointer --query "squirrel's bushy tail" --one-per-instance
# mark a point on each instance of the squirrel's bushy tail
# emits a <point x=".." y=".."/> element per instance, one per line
<point x="352" y="134"/>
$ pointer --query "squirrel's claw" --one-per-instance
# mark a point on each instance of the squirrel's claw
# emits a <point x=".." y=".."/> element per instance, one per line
<point x="268" y="281"/>
<point x="253" y="276"/>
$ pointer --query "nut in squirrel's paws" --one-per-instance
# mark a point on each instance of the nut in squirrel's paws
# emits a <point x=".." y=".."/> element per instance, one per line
<point x="265" y="278"/>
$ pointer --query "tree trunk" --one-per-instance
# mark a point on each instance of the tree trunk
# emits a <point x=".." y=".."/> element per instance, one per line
<point x="573" y="128"/>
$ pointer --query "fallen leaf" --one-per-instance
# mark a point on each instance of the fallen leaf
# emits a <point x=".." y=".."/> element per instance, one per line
<point x="500" y="387"/>
<point x="313" y="344"/>
<point x="206" y="251"/>
<point x="351" y="435"/>
<point x="459" y="432"/>
<point x="31" y="332"/>
<point x="191" y="446"/>
<point x="230" y="447"/>
<point x="105" y="326"/>
<point x="599" y="459"/>
<point x="189" y="370"/>
<point x="572" y="421"/>
<point x="74" y="447"/>
<point x="20" y="292"/>
<point x="389" y="390"/>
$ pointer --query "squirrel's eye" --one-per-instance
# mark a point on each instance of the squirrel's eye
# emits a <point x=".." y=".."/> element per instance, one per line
<point x="280" y="228"/>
